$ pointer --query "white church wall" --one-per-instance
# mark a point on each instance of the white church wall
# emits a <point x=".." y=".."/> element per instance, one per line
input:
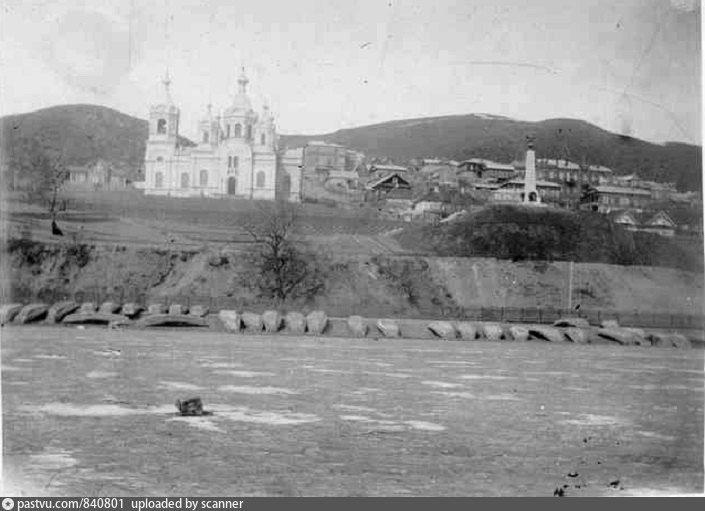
<point x="264" y="173"/>
<point x="207" y="169"/>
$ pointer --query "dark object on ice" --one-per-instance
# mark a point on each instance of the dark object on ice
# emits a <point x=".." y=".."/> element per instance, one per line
<point x="614" y="484"/>
<point x="32" y="312"/>
<point x="559" y="492"/>
<point x="9" y="311"/>
<point x="55" y="229"/>
<point x="573" y="474"/>
<point x="171" y="320"/>
<point x="190" y="407"/>
<point x="58" y="311"/>
<point x="572" y="322"/>
<point x="96" y="318"/>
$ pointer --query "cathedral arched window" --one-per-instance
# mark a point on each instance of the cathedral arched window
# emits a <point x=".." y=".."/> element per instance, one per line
<point x="262" y="139"/>
<point x="230" y="162"/>
<point x="158" y="180"/>
<point x="260" y="179"/>
<point x="161" y="126"/>
<point x="227" y="131"/>
<point x="205" y="137"/>
<point x="235" y="162"/>
<point x="203" y="178"/>
<point x="184" y="180"/>
<point x="249" y="132"/>
<point x="238" y="130"/>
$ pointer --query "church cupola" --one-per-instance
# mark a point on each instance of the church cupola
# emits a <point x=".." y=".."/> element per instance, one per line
<point x="164" y="117"/>
<point x="238" y="118"/>
<point x="265" y="133"/>
<point x="208" y="128"/>
<point x="242" y="82"/>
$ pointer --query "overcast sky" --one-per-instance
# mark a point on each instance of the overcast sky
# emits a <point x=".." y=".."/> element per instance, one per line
<point x="629" y="66"/>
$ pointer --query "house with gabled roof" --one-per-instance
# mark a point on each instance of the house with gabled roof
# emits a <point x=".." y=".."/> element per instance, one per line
<point x="377" y="170"/>
<point x="478" y="168"/>
<point x="660" y="223"/>
<point x="646" y="221"/>
<point x="626" y="219"/>
<point x="605" y="199"/>
<point x="394" y="186"/>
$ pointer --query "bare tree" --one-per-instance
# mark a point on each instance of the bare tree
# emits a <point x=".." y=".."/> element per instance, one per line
<point x="285" y="268"/>
<point x="47" y="176"/>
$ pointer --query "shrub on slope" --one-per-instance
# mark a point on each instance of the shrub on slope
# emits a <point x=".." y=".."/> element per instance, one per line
<point x="519" y="233"/>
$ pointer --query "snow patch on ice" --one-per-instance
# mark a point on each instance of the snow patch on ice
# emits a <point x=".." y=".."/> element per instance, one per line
<point x="177" y="385"/>
<point x="245" y="389"/>
<point x="442" y="384"/>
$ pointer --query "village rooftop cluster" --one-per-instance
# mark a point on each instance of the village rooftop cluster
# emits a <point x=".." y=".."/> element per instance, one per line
<point x="239" y="154"/>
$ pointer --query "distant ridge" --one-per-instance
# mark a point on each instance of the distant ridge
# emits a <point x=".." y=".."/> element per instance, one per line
<point x="502" y="139"/>
<point x="87" y="133"/>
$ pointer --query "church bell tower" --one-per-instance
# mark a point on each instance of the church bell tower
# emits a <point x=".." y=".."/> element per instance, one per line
<point x="164" y="117"/>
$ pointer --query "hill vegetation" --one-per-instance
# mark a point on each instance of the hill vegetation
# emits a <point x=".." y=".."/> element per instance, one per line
<point x="502" y="139"/>
<point x="83" y="134"/>
<point x="521" y="234"/>
<point x="80" y="134"/>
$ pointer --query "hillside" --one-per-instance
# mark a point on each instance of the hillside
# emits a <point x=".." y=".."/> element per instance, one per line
<point x="410" y="287"/>
<point x="535" y="234"/>
<point x="502" y="139"/>
<point x="84" y="133"/>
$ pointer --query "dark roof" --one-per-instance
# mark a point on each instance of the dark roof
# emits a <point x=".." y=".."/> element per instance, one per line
<point x="619" y="190"/>
<point x="681" y="215"/>
<point x="375" y="167"/>
<point x="641" y="218"/>
<point x="375" y="183"/>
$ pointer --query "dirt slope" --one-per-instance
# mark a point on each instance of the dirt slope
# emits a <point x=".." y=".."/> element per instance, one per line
<point x="491" y="283"/>
<point x="368" y="285"/>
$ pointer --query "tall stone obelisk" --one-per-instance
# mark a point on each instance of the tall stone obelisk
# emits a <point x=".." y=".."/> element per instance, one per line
<point x="531" y="194"/>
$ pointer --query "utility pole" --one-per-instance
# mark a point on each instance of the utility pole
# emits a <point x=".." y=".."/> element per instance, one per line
<point x="570" y="285"/>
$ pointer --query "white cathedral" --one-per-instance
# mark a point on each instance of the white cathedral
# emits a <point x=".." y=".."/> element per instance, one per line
<point x="235" y="155"/>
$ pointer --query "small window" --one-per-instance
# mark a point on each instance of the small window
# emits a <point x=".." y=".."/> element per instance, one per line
<point x="249" y="132"/>
<point x="203" y="178"/>
<point x="205" y="137"/>
<point x="238" y="130"/>
<point x="184" y="180"/>
<point x="158" y="180"/>
<point x="161" y="126"/>
<point x="235" y="162"/>
<point x="230" y="162"/>
<point x="262" y="139"/>
<point x="260" y="179"/>
<point x="227" y="131"/>
<point x="159" y="158"/>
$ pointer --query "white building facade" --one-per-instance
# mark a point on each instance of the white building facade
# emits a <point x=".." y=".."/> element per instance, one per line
<point x="235" y="154"/>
